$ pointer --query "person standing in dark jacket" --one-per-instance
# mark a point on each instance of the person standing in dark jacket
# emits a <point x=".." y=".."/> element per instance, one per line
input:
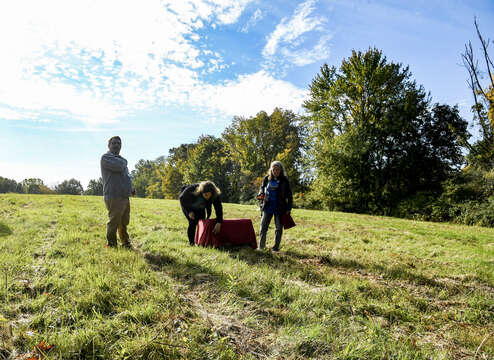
<point x="117" y="187"/>
<point x="276" y="200"/>
<point x="196" y="201"/>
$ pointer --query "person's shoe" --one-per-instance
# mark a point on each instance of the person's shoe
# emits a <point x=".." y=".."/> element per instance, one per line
<point x="192" y="244"/>
<point x="127" y="245"/>
<point x="276" y="249"/>
<point x="111" y="245"/>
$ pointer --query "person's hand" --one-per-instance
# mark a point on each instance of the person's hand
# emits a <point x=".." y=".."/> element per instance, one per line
<point x="288" y="212"/>
<point x="217" y="228"/>
<point x="191" y="215"/>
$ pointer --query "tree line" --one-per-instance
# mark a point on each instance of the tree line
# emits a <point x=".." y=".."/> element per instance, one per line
<point x="37" y="186"/>
<point x="370" y="141"/>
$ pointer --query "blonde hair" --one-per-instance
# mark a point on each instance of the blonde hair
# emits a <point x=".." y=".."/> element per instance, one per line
<point x="273" y="164"/>
<point x="208" y="186"/>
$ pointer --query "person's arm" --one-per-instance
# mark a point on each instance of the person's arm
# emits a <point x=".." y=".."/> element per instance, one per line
<point x="262" y="190"/>
<point x="186" y="199"/>
<point x="218" y="209"/>
<point x="113" y="163"/>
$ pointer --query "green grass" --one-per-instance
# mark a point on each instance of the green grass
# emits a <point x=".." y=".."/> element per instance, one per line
<point x="344" y="286"/>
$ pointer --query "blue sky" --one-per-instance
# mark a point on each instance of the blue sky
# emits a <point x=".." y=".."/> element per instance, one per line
<point x="161" y="73"/>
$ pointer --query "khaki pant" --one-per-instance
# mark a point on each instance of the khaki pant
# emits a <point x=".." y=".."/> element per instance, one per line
<point x="119" y="217"/>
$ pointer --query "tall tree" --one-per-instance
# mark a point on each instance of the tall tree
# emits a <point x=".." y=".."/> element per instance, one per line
<point x="35" y="186"/>
<point x="9" y="186"/>
<point x="69" y="187"/>
<point x="257" y="141"/>
<point x="141" y="176"/>
<point x="210" y="160"/>
<point x="482" y="151"/>
<point x="172" y="173"/>
<point x="94" y="187"/>
<point x="375" y="138"/>
<point x="146" y="178"/>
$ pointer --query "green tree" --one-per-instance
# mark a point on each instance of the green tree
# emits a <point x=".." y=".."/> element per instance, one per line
<point x="257" y="141"/>
<point x="172" y="181"/>
<point x="69" y="187"/>
<point x="35" y="186"/>
<point x="141" y="176"/>
<point x="94" y="187"/>
<point x="375" y="138"/>
<point x="9" y="186"/>
<point x="210" y="160"/>
<point x="146" y="178"/>
<point x="172" y="173"/>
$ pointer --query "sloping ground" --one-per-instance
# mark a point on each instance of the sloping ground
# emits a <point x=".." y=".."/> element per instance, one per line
<point x="344" y="286"/>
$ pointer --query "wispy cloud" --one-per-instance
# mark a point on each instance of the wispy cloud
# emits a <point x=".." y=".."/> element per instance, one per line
<point x="96" y="61"/>
<point x="288" y="38"/>
<point x="253" y="20"/>
<point x="245" y="95"/>
<point x="264" y="93"/>
<point x="303" y="57"/>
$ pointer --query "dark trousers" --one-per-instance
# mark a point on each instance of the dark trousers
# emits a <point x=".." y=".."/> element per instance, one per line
<point x="119" y="217"/>
<point x="191" y="230"/>
<point x="266" y="219"/>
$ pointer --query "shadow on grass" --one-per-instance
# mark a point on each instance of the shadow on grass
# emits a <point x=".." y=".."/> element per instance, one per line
<point x="4" y="230"/>
<point x="309" y="268"/>
<point x="194" y="275"/>
<point x="395" y="272"/>
<point x="282" y="261"/>
<point x="191" y="273"/>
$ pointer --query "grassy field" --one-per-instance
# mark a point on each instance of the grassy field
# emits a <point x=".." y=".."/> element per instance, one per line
<point x="343" y="286"/>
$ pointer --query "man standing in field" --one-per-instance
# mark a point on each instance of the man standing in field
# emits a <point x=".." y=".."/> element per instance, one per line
<point x="117" y="187"/>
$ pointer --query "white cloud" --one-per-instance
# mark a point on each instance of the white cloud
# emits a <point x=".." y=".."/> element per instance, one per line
<point x="254" y="19"/>
<point x="95" y="60"/>
<point x="249" y="94"/>
<point x="288" y="38"/>
<point x="32" y="99"/>
<point x="7" y="113"/>
<point x="308" y="56"/>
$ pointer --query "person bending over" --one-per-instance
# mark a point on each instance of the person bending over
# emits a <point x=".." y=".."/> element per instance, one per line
<point x="196" y="201"/>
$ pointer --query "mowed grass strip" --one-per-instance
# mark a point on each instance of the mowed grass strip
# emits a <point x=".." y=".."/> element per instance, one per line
<point x="344" y="286"/>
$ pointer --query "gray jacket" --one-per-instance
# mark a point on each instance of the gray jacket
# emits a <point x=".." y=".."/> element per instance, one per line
<point x="116" y="178"/>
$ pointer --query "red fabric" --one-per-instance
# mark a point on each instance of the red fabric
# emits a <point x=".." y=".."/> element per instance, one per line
<point x="233" y="232"/>
<point x="287" y="221"/>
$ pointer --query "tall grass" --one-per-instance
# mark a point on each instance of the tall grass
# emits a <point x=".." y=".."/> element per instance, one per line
<point x="344" y="286"/>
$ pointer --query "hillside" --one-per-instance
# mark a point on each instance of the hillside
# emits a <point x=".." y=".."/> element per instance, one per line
<point x="344" y="286"/>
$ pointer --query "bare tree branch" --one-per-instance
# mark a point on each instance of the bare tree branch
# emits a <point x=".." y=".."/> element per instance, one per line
<point x="472" y="66"/>
<point x="485" y="45"/>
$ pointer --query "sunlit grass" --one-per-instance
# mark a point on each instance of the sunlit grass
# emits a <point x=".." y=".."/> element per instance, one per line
<point x="344" y="286"/>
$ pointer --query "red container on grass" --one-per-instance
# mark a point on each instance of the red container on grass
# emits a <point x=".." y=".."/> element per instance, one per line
<point x="234" y="232"/>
